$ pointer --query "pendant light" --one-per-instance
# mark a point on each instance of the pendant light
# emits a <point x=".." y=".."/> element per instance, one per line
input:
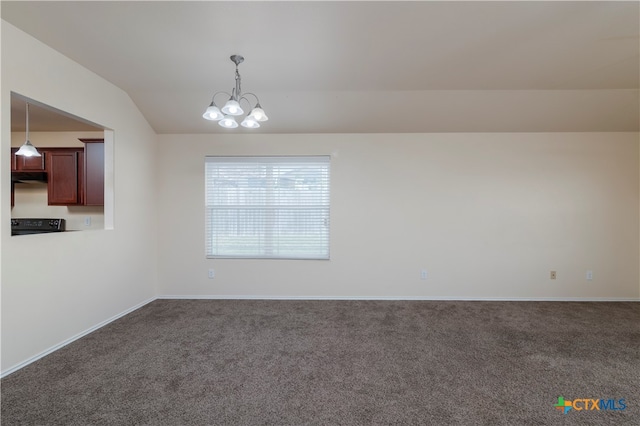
<point x="231" y="109"/>
<point x="27" y="149"/>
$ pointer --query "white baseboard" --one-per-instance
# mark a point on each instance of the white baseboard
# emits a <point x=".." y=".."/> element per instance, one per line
<point x="74" y="338"/>
<point x="426" y="298"/>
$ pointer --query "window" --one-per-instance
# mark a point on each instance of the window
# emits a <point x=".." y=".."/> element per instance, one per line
<point x="267" y="207"/>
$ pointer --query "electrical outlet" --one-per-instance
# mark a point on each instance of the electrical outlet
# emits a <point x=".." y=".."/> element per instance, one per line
<point x="589" y="275"/>
<point x="87" y="221"/>
<point x="423" y="274"/>
<point x="212" y="273"/>
<point x="552" y="275"/>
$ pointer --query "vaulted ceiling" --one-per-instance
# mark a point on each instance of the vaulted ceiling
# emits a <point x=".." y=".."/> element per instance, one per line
<point x="366" y="67"/>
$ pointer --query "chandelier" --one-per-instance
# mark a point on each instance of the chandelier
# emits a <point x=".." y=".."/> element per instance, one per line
<point x="232" y="109"/>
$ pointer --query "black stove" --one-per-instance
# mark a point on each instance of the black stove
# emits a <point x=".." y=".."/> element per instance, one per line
<point x="24" y="226"/>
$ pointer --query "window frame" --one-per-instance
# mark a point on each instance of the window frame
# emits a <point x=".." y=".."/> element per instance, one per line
<point x="270" y="244"/>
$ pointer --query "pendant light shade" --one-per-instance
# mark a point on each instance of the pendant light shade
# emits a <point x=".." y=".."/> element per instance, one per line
<point x="250" y="123"/>
<point x="258" y="114"/>
<point x="27" y="149"/>
<point x="228" y="122"/>
<point x="232" y="108"/>
<point x="213" y="113"/>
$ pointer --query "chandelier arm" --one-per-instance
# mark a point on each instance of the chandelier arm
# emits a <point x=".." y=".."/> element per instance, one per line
<point x="254" y="95"/>
<point x="218" y="93"/>
<point x="245" y="99"/>
<point x="257" y="104"/>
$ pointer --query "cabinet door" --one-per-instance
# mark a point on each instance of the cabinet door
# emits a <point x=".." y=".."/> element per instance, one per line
<point x="94" y="173"/>
<point x="28" y="164"/>
<point x="13" y="158"/>
<point x="62" y="169"/>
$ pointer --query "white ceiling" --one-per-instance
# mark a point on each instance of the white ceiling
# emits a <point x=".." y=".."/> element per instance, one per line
<point x="366" y="67"/>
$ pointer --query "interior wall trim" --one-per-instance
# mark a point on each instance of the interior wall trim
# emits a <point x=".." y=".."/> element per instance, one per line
<point x="73" y="339"/>
<point x="426" y="298"/>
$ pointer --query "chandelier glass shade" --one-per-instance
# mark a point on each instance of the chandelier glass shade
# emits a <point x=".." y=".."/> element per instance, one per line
<point x="27" y="149"/>
<point x="226" y="117"/>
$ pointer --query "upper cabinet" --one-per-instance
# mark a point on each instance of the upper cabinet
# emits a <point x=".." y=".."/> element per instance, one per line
<point x="93" y="172"/>
<point x="64" y="186"/>
<point x="27" y="164"/>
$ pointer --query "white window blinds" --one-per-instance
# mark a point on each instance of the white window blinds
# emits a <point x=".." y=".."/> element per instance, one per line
<point x="267" y="207"/>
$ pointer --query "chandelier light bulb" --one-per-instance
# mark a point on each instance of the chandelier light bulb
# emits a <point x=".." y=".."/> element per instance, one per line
<point x="258" y="114"/>
<point x="213" y="113"/>
<point x="228" y="122"/>
<point x="232" y="107"/>
<point x="250" y="122"/>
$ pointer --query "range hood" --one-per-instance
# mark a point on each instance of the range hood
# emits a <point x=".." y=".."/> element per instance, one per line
<point x="28" y="177"/>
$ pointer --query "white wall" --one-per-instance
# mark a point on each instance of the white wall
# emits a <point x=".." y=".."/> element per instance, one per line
<point x="488" y="216"/>
<point x="57" y="286"/>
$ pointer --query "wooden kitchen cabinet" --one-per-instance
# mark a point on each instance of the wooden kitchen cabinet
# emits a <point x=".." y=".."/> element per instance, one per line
<point x="25" y="164"/>
<point x="28" y="164"/>
<point x="93" y="172"/>
<point x="76" y="175"/>
<point x="65" y="168"/>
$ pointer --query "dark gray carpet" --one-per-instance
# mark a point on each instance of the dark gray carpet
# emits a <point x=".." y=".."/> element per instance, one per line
<point x="208" y="362"/>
